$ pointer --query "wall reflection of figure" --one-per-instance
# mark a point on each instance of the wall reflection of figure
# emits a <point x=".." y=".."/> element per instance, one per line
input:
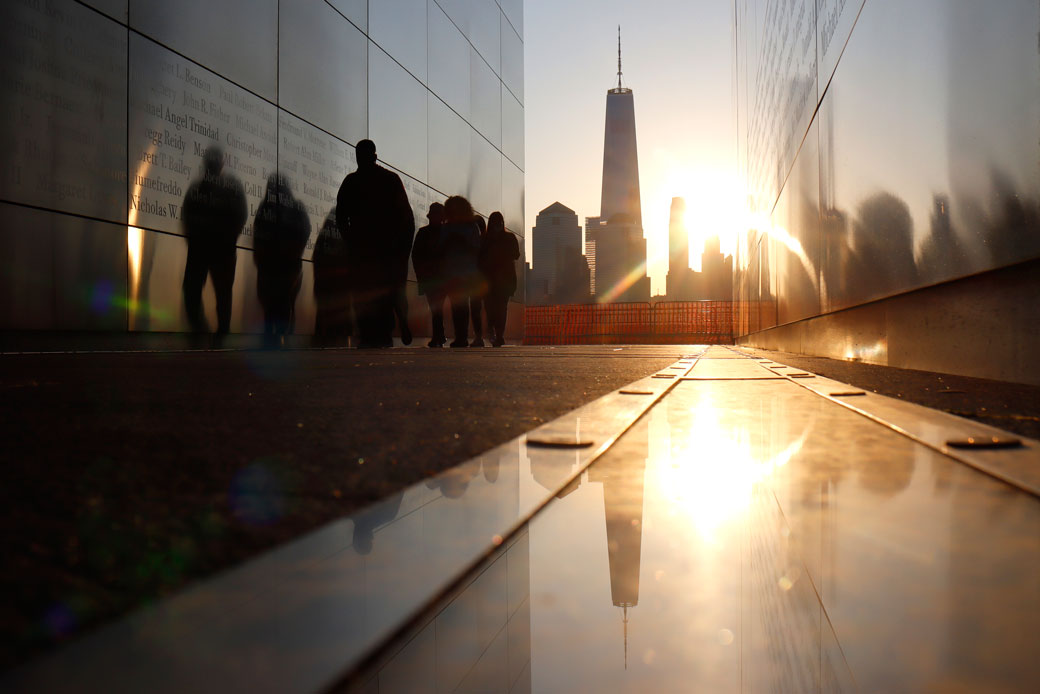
<point x="280" y="233"/>
<point x="426" y="259"/>
<point x="213" y="215"/>
<point x="460" y="248"/>
<point x="476" y="300"/>
<point x="374" y="216"/>
<point x="498" y="255"/>
<point x="331" y="284"/>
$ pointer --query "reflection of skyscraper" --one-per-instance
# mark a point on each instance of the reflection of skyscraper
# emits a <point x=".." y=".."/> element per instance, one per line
<point x="622" y="479"/>
<point x="617" y="234"/>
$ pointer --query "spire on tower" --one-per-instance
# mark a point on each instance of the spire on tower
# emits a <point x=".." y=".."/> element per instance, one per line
<point x="619" y="56"/>
<point x="624" y="622"/>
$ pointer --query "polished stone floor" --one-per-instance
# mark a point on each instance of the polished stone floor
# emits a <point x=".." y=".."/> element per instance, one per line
<point x="726" y="525"/>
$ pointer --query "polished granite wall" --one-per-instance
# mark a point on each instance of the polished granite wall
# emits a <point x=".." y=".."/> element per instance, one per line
<point x="888" y="147"/>
<point x="110" y="104"/>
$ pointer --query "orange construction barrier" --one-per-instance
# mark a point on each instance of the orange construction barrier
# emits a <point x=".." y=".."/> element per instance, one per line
<point x="668" y="322"/>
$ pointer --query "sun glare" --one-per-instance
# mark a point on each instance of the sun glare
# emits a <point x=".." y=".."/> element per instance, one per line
<point x="714" y="207"/>
<point x="713" y="470"/>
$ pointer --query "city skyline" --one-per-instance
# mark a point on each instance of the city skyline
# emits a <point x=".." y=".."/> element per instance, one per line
<point x="678" y="57"/>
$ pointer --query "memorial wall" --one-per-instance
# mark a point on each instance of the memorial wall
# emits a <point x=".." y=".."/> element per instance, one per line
<point x="891" y="150"/>
<point x="109" y="106"/>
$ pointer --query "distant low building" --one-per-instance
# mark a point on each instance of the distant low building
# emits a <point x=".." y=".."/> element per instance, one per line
<point x="560" y="273"/>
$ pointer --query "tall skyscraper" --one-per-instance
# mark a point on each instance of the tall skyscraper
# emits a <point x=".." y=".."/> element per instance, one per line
<point x="560" y="273"/>
<point x="617" y="234"/>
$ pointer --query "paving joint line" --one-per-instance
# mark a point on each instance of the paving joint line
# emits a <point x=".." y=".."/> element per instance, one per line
<point x="946" y="451"/>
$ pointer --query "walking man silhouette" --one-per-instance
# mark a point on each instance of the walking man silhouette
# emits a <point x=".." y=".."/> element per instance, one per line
<point x="376" y="221"/>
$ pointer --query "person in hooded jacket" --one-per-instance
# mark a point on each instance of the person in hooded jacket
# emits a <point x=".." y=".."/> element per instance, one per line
<point x="280" y="233"/>
<point x="498" y="256"/>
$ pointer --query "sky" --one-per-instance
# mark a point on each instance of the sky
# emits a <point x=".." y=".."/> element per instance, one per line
<point x="677" y="59"/>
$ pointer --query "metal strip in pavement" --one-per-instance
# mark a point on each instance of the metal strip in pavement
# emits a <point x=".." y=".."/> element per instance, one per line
<point x="296" y="618"/>
<point x="1018" y="466"/>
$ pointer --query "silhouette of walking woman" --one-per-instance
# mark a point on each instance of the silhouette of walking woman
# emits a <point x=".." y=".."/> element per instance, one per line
<point x="427" y="261"/>
<point x="498" y="255"/>
<point x="280" y="233"/>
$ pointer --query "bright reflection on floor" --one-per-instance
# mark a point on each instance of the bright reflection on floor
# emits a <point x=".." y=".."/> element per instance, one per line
<point x="711" y="472"/>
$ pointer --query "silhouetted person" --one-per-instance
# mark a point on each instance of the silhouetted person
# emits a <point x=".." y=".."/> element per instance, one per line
<point x="498" y="256"/>
<point x="213" y="215"/>
<point x="373" y="214"/>
<point x="427" y="261"/>
<point x="476" y="300"/>
<point x="331" y="283"/>
<point x="460" y="249"/>
<point x="280" y="233"/>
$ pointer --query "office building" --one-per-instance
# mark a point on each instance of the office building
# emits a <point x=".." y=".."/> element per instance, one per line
<point x="560" y="273"/>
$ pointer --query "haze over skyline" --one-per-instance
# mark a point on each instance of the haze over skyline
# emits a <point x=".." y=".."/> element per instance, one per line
<point x="677" y="59"/>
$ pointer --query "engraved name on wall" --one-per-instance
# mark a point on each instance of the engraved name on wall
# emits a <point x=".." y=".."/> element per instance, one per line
<point x="177" y="111"/>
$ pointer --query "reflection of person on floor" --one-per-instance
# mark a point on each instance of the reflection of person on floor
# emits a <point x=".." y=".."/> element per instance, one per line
<point x="476" y="300"/>
<point x="426" y="259"/>
<point x="366" y="522"/>
<point x="213" y="215"/>
<point x="460" y="248"/>
<point x="280" y="233"/>
<point x="498" y="255"/>
<point x="373" y="214"/>
<point x="331" y="283"/>
<point x="453" y="483"/>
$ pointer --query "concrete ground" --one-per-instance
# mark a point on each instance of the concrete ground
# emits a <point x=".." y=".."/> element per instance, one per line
<point x="125" y="476"/>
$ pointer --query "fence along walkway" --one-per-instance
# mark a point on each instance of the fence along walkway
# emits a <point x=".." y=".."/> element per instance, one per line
<point x="666" y="322"/>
